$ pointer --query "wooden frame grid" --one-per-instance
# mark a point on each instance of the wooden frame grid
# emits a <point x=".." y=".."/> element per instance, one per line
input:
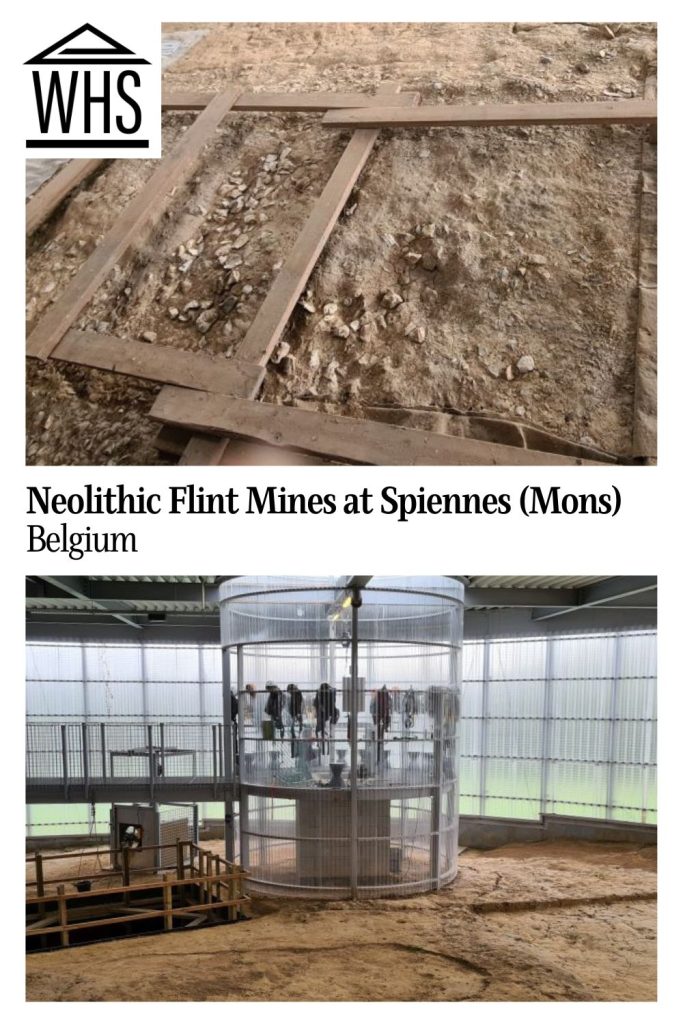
<point x="216" y="884"/>
<point x="209" y="400"/>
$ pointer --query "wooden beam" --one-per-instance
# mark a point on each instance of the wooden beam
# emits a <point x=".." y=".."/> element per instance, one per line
<point x="161" y="363"/>
<point x="271" y="319"/>
<point x="130" y="229"/>
<point x="268" y="324"/>
<point x="54" y="191"/>
<point x="186" y="100"/>
<point x="339" y="437"/>
<point x="645" y="391"/>
<point x="289" y="102"/>
<point x="446" y="116"/>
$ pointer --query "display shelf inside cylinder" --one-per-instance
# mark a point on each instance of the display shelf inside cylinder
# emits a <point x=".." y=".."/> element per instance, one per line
<point x="348" y="710"/>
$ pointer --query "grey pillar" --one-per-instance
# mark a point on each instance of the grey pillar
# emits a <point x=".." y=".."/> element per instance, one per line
<point x="486" y="677"/>
<point x="613" y="704"/>
<point x="356" y="602"/>
<point x="229" y="779"/>
<point x="546" y="724"/>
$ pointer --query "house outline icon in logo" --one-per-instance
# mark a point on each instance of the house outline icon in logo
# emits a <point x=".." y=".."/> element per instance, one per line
<point x="83" y="72"/>
<point x="112" y="53"/>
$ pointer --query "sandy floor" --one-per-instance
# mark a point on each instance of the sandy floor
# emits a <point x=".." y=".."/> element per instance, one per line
<point x="530" y="234"/>
<point x="549" y="921"/>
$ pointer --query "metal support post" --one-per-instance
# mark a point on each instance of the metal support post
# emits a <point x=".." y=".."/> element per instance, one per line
<point x="230" y="787"/>
<point x="103" y="745"/>
<point x="546" y="724"/>
<point x="85" y="760"/>
<point x="613" y="707"/>
<point x="65" y="762"/>
<point x="356" y="602"/>
<point x="150" y="754"/>
<point x="483" y="734"/>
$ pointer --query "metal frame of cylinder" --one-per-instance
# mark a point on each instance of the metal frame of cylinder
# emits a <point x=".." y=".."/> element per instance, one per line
<point x="311" y="822"/>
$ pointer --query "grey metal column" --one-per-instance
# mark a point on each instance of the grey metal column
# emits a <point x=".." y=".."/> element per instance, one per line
<point x="103" y="744"/>
<point x="483" y="733"/>
<point x="65" y="762"/>
<point x="546" y="724"/>
<point x="143" y="680"/>
<point x="85" y="760"/>
<point x="150" y="756"/>
<point x="436" y="785"/>
<point x="86" y="703"/>
<point x="614" y="697"/>
<point x="229" y="781"/>
<point x="356" y="602"/>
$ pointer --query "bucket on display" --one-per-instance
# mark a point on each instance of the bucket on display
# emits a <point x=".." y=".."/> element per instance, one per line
<point x="349" y="703"/>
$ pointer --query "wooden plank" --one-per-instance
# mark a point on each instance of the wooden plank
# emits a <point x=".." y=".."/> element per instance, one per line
<point x="488" y="114"/>
<point x="130" y="229"/>
<point x="160" y="363"/>
<point x="289" y="102"/>
<point x="125" y="918"/>
<point x="645" y="389"/>
<point x="186" y="100"/>
<point x="271" y="319"/>
<point x="268" y="324"/>
<point x="339" y="437"/>
<point x="54" y="191"/>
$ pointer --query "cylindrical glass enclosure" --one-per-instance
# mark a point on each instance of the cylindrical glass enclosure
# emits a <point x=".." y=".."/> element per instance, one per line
<point x="348" y="708"/>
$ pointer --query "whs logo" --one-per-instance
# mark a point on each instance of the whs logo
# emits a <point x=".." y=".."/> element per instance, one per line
<point x="92" y="94"/>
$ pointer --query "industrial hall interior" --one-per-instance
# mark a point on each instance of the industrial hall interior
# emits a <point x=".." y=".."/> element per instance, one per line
<point x="331" y="788"/>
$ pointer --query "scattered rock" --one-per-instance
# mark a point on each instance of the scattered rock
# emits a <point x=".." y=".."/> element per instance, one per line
<point x="150" y="336"/>
<point x="173" y="312"/>
<point x="308" y="306"/>
<point x="525" y="364"/>
<point x="330" y="308"/>
<point x="281" y="350"/>
<point x="240" y="241"/>
<point x="535" y="260"/>
<point x="341" y="331"/>
<point x="412" y="257"/>
<point x="582" y="68"/>
<point x="205" y="321"/>
<point x="545" y="59"/>
<point x="431" y="262"/>
<point x="417" y="334"/>
<point x="391" y="300"/>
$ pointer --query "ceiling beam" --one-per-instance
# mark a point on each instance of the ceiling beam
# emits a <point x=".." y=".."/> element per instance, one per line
<point x="66" y="583"/>
<point x="357" y="581"/>
<point x="518" y="597"/>
<point x="608" y="593"/>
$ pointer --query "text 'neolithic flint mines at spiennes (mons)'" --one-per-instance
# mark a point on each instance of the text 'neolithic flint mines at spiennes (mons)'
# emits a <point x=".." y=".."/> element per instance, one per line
<point x="46" y="504"/>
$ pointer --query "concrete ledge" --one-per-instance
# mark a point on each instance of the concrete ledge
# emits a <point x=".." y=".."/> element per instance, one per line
<point x="488" y="833"/>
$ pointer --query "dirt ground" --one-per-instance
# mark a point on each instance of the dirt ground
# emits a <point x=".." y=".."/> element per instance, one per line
<point x="501" y="243"/>
<point x="550" y="921"/>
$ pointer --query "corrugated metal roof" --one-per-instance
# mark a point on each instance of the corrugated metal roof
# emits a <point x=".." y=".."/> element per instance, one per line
<point x="73" y="604"/>
<point x="543" y="582"/>
<point x="156" y="579"/>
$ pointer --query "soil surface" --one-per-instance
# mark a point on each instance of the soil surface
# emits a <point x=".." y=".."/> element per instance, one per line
<point x="500" y="243"/>
<point x="548" y="921"/>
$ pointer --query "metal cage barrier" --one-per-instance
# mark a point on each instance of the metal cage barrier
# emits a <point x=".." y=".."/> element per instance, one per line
<point x="349" y="703"/>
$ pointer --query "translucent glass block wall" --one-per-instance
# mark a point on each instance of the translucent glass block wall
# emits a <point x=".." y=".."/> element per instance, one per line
<point x="347" y="732"/>
<point x="561" y="725"/>
<point x="564" y="724"/>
